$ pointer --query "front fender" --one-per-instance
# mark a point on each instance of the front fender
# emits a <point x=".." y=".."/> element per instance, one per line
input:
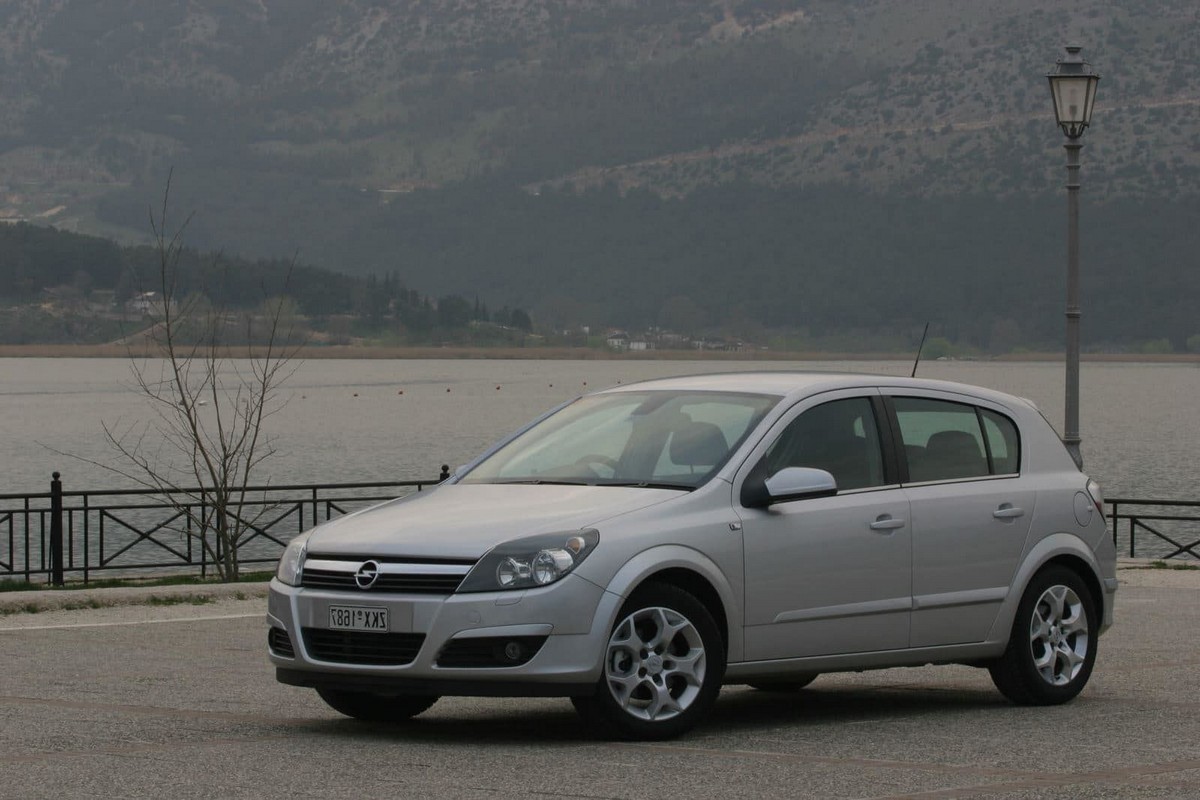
<point x="647" y="563"/>
<point x="1049" y="548"/>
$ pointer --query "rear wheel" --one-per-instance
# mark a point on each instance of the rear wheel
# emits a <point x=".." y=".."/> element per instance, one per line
<point x="1052" y="646"/>
<point x="377" y="708"/>
<point x="662" y="666"/>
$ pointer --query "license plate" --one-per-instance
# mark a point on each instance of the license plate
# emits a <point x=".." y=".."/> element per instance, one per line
<point x="358" y="618"/>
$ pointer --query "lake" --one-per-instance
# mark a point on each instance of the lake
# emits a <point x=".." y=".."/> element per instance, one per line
<point x="364" y="420"/>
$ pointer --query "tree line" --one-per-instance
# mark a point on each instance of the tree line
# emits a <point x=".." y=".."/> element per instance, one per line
<point x="54" y="286"/>
<point x="821" y="266"/>
<point x="745" y="260"/>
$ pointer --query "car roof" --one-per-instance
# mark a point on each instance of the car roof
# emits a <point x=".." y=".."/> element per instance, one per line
<point x="805" y="383"/>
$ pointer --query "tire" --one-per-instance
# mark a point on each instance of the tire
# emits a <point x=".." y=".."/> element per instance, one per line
<point x="654" y="687"/>
<point x="1052" y="646"/>
<point x="377" y="708"/>
<point x="792" y="684"/>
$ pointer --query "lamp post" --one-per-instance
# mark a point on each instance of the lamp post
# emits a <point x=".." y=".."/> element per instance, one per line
<point x="1073" y="86"/>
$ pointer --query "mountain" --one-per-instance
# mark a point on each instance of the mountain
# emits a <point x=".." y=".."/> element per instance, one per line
<point x="539" y="148"/>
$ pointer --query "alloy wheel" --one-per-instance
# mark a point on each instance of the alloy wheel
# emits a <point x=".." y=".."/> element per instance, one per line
<point x="1058" y="635"/>
<point x="655" y="664"/>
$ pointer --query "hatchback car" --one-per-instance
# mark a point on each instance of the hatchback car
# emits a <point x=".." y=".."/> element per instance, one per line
<point x="637" y="548"/>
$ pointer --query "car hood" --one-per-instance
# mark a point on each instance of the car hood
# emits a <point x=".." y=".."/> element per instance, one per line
<point x="467" y="520"/>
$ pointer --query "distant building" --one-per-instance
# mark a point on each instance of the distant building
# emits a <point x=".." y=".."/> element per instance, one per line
<point x="149" y="303"/>
<point x="672" y="341"/>
<point x="617" y="340"/>
<point x="717" y="343"/>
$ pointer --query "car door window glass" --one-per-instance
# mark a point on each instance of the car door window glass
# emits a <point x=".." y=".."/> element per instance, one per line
<point x="1003" y="443"/>
<point x="942" y="440"/>
<point x="840" y="437"/>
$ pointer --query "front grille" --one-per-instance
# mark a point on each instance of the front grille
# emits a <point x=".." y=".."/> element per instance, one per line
<point x="402" y="575"/>
<point x="490" y="651"/>
<point x="280" y="643"/>
<point x="354" y="647"/>
<point x="420" y="584"/>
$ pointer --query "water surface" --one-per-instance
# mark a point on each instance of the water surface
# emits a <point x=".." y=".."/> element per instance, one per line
<point x="362" y="420"/>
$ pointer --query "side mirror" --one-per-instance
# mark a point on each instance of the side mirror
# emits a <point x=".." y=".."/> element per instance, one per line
<point x="790" y="483"/>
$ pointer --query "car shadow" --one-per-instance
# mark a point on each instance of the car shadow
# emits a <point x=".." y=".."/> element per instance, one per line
<point x="739" y="709"/>
<point x="746" y="708"/>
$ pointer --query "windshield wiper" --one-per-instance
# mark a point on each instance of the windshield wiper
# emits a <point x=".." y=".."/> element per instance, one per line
<point x="543" y="482"/>
<point x="652" y="485"/>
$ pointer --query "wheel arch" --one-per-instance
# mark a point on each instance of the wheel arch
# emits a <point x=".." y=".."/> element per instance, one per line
<point x="692" y="572"/>
<point x="1086" y="574"/>
<point x="696" y="585"/>
<point x="1062" y="549"/>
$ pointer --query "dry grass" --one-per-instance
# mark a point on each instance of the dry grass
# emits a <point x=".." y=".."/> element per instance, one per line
<point x="385" y="352"/>
<point x="561" y="353"/>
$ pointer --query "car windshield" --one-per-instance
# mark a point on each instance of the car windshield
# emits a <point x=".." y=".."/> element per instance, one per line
<point x="659" y="439"/>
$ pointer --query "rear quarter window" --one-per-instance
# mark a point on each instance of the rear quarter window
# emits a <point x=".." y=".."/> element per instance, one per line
<point x="945" y="440"/>
<point x="1003" y="442"/>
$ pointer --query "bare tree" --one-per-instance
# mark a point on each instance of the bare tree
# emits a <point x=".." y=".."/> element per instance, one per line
<point x="210" y="400"/>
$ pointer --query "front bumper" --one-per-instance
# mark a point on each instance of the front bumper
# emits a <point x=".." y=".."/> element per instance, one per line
<point x="569" y="619"/>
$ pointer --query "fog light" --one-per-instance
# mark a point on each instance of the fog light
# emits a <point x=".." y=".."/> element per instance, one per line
<point x="513" y="651"/>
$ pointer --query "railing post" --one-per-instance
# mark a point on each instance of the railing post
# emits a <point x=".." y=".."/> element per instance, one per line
<point x="56" y="531"/>
<point x="86" y="530"/>
<point x="1114" y="524"/>
<point x="203" y="536"/>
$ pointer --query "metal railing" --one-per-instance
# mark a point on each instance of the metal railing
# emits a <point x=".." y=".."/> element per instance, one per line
<point x="1179" y="530"/>
<point x="129" y="531"/>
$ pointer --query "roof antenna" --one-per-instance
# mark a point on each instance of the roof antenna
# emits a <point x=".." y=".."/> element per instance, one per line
<point x="917" y="360"/>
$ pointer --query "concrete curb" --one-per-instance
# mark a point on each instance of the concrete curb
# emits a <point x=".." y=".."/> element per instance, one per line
<point x="1144" y="572"/>
<point x="71" y="599"/>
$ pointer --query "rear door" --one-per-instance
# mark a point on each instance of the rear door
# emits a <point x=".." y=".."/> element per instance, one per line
<point x="971" y="510"/>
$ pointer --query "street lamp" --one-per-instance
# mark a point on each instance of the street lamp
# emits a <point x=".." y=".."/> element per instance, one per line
<point x="1073" y="86"/>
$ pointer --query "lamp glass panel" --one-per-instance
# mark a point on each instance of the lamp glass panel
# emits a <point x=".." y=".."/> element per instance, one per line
<point x="1071" y="98"/>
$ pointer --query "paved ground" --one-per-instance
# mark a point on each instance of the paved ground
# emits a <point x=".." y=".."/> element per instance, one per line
<point x="179" y="701"/>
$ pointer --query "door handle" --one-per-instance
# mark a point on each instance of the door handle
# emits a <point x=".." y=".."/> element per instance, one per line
<point x="885" y="522"/>
<point x="1008" y="511"/>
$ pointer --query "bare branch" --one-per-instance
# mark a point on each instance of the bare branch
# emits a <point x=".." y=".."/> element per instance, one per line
<point x="208" y="413"/>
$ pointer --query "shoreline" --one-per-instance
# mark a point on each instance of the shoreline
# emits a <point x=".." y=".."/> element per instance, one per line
<point x="364" y="352"/>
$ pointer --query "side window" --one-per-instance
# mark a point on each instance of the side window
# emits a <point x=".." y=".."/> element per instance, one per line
<point x="1003" y="442"/>
<point x="840" y="437"/>
<point x="942" y="440"/>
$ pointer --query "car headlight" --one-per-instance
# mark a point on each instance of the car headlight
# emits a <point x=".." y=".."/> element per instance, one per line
<point x="291" y="563"/>
<point x="530" y="562"/>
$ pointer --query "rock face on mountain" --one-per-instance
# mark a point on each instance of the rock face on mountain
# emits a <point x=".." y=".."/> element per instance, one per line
<point x="292" y="124"/>
<point x="924" y="96"/>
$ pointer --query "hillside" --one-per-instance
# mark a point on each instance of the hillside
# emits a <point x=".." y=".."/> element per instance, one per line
<point x="349" y="131"/>
<point x="664" y="94"/>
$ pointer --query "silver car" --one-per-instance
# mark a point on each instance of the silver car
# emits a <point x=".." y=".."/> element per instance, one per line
<point x="639" y="547"/>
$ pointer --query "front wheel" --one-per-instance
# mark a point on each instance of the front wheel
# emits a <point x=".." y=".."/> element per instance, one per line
<point x="663" y="666"/>
<point x="376" y="708"/>
<point x="1052" y="646"/>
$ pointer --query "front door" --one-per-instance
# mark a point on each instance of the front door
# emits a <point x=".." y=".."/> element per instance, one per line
<point x="829" y="575"/>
